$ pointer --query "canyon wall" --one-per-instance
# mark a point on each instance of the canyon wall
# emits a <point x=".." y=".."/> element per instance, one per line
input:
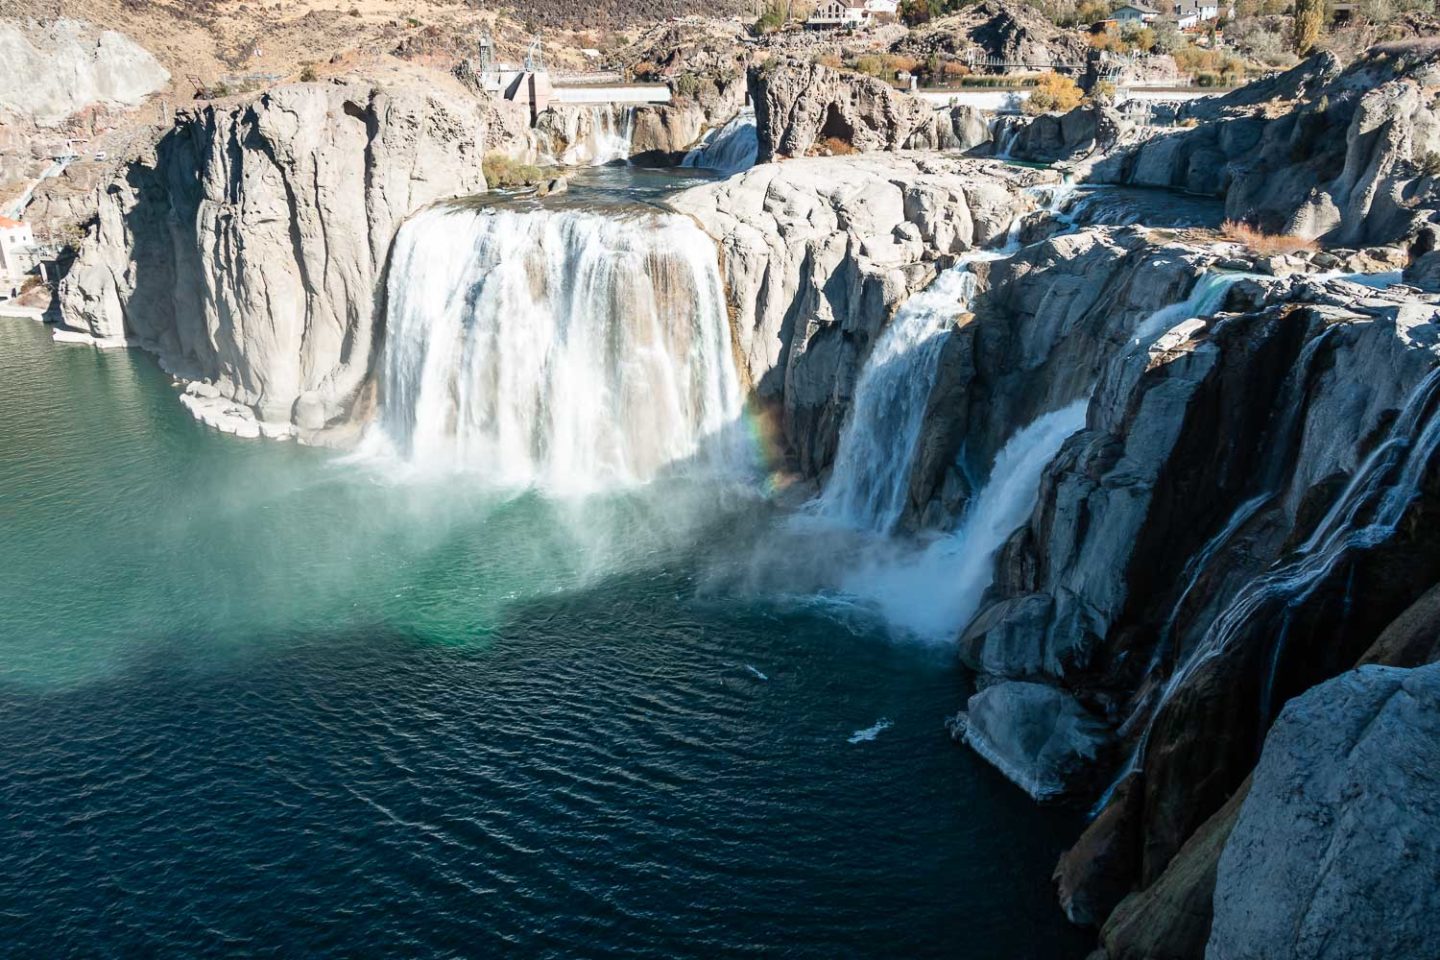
<point x="818" y="254"/>
<point x="245" y="247"/>
<point x="1348" y="156"/>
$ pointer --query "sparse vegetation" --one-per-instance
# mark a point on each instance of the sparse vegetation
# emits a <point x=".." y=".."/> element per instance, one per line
<point x="1262" y="243"/>
<point x="504" y="172"/>
<point x="835" y="147"/>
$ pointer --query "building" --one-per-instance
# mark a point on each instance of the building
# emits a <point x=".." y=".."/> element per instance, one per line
<point x="1192" y="13"/>
<point x="841" y="14"/>
<point x="17" y="255"/>
<point x="1135" y="13"/>
<point x="882" y="8"/>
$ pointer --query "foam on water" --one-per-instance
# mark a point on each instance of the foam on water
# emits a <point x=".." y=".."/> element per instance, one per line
<point x="870" y="732"/>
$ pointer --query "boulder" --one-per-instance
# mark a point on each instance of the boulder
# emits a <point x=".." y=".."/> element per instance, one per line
<point x="1039" y="737"/>
<point x="1336" y="851"/>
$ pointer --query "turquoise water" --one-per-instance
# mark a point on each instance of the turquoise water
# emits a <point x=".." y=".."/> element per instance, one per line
<point x="260" y="699"/>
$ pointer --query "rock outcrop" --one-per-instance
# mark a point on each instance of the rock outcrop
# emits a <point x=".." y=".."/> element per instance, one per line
<point x="799" y="105"/>
<point x="817" y="255"/>
<point x="58" y="69"/>
<point x="1354" y="162"/>
<point x="1192" y="562"/>
<point x="1012" y="33"/>
<point x="246" y="246"/>
<point x="1049" y="138"/>
<point x="1337" y="846"/>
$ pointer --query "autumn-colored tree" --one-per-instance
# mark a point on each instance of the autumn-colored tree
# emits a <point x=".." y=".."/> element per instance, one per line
<point x="1309" y="19"/>
<point x="1053" y="93"/>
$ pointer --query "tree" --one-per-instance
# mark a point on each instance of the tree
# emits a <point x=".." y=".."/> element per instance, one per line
<point x="1053" y="93"/>
<point x="1309" y="19"/>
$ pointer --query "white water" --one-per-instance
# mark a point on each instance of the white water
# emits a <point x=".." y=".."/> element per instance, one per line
<point x="934" y="591"/>
<point x="870" y="732"/>
<point x="612" y="139"/>
<point x="730" y="149"/>
<point x="561" y="349"/>
<point x="592" y="136"/>
<point x="877" y="443"/>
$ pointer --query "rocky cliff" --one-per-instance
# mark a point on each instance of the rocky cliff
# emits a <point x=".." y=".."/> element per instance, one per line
<point x="246" y="245"/>
<point x="817" y="255"/>
<point x="1348" y="156"/>
<point x="57" y="69"/>
<point x="1344" y="795"/>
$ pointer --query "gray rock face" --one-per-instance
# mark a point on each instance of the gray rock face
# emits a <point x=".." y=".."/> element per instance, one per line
<point x="799" y="104"/>
<point x="818" y="253"/>
<point x="56" y="70"/>
<point x="1336" y="853"/>
<point x="1041" y="738"/>
<point x="1349" y="163"/>
<point x="1049" y="138"/>
<point x="246" y="247"/>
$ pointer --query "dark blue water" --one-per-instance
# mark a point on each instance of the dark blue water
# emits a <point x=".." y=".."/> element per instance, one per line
<point x="258" y="701"/>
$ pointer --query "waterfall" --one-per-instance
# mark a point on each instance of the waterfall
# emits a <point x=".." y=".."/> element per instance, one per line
<point x="935" y="592"/>
<point x="557" y="348"/>
<point x="612" y="138"/>
<point x="730" y="149"/>
<point x="877" y="443"/>
<point x="586" y="136"/>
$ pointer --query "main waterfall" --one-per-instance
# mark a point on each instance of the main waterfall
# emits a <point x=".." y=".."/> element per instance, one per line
<point x="558" y="348"/>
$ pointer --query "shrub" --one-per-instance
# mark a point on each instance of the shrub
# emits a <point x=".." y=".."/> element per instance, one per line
<point x="687" y="86"/>
<point x="1053" y="94"/>
<point x="1265" y="244"/>
<point x="836" y="147"/>
<point x="307" y="73"/>
<point x="502" y="171"/>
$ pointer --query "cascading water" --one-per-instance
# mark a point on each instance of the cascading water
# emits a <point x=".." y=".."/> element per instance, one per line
<point x="878" y="442"/>
<point x="934" y="592"/>
<point x="1381" y="488"/>
<point x="586" y="136"/>
<point x="563" y="349"/>
<point x="872" y="466"/>
<point x="730" y="149"/>
<point x="612" y="136"/>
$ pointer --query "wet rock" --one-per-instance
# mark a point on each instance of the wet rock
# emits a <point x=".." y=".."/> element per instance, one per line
<point x="1040" y="737"/>
<point x="1170" y="919"/>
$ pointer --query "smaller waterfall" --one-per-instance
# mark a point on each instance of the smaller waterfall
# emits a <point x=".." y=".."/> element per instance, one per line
<point x="562" y="349"/>
<point x="730" y="149"/>
<point x="575" y="136"/>
<point x="934" y="592"/>
<point x="872" y="466"/>
<point x="612" y="137"/>
<point x="1381" y="488"/>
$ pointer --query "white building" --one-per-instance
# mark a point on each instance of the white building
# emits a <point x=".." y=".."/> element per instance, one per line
<point x="833" y="14"/>
<point x="1137" y="13"/>
<point x="1192" y="13"/>
<point x="882" y="7"/>
<point x="17" y="254"/>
